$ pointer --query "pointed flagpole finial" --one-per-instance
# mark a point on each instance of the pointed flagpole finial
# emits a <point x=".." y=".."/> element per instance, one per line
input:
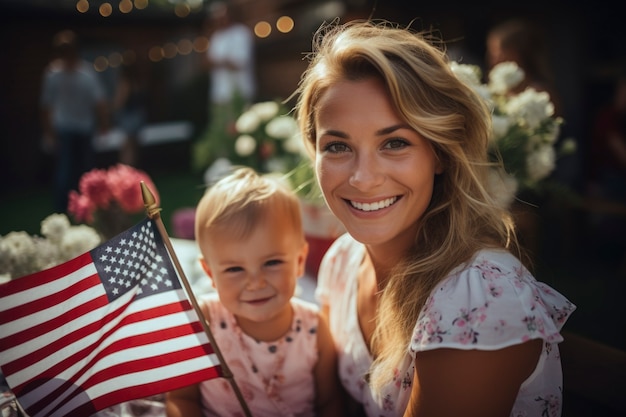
<point x="148" y="201"/>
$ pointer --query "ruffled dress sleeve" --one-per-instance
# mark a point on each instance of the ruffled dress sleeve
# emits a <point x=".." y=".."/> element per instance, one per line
<point x="490" y="303"/>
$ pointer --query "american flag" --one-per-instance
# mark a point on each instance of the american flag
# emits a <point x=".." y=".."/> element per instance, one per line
<point x="106" y="327"/>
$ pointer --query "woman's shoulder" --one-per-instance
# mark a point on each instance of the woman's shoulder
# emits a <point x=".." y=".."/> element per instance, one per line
<point x="344" y="246"/>
<point x="490" y="302"/>
<point x="344" y="254"/>
<point x="338" y="266"/>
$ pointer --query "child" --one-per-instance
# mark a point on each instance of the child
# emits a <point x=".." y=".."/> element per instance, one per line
<point x="250" y="236"/>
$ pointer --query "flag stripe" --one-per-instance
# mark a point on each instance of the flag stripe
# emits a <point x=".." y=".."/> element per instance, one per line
<point x="58" y="362"/>
<point x="82" y="336"/>
<point x="143" y="390"/>
<point x="40" y="279"/>
<point x="19" y="307"/>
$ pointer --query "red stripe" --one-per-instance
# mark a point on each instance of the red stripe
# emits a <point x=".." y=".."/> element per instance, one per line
<point x="84" y="352"/>
<point x="153" y="388"/>
<point x="147" y="363"/>
<point x="43" y="277"/>
<point x="58" y="322"/>
<point x="82" y="333"/>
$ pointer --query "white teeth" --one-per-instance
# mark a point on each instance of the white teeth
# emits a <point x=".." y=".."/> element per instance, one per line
<point x="374" y="206"/>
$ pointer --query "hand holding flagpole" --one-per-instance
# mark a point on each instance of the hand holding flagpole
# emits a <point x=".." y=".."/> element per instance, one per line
<point x="153" y="212"/>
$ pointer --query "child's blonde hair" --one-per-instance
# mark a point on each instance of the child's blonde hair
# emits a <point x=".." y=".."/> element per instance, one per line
<point x="243" y="199"/>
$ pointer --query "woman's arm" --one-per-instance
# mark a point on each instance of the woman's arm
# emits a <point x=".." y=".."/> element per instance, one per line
<point x="328" y="389"/>
<point x="471" y="383"/>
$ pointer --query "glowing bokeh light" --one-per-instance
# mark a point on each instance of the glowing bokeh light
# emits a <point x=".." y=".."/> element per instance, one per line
<point x="182" y="10"/>
<point x="141" y="4"/>
<point x="100" y="64"/>
<point x="155" y="54"/>
<point x="82" y="6"/>
<point x="185" y="46"/>
<point x="201" y="44"/>
<point x="126" y="6"/>
<point x="284" y="24"/>
<point x="106" y="9"/>
<point x="115" y="59"/>
<point x="170" y="50"/>
<point x="262" y="29"/>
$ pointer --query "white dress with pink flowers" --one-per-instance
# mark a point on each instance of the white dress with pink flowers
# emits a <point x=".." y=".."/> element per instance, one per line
<point x="491" y="302"/>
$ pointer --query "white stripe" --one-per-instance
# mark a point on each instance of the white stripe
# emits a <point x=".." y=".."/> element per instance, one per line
<point x="44" y="290"/>
<point x="57" y="356"/>
<point x="138" y="378"/>
<point x="31" y="345"/>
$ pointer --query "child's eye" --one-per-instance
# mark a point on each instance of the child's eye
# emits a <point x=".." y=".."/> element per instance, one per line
<point x="396" y="144"/>
<point x="233" y="269"/>
<point x="273" y="262"/>
<point x="336" y="147"/>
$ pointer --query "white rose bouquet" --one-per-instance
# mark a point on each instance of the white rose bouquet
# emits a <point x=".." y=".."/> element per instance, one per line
<point x="267" y="138"/>
<point x="525" y="129"/>
<point x="22" y="254"/>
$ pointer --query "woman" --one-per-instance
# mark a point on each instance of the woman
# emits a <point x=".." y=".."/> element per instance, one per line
<point x="431" y="310"/>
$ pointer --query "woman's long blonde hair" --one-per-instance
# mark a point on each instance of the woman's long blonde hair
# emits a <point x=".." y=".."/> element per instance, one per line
<point x="462" y="216"/>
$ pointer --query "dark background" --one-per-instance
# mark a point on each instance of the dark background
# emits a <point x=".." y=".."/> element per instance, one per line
<point x="586" y="43"/>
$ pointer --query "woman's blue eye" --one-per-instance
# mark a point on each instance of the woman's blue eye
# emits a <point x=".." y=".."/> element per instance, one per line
<point x="336" y="147"/>
<point x="396" y="143"/>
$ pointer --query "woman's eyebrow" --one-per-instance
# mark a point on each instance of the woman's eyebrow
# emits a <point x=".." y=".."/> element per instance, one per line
<point x="391" y="129"/>
<point x="381" y="132"/>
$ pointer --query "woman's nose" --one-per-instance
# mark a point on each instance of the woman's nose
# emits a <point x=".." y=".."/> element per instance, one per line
<point x="367" y="172"/>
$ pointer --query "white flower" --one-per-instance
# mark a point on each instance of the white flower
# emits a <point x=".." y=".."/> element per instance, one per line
<point x="530" y="107"/>
<point x="54" y="226"/>
<point x="295" y="145"/>
<point x="500" y="126"/>
<point x="541" y="162"/>
<point x="245" y="145"/>
<point x="469" y="74"/>
<point x="78" y="240"/>
<point x="248" y="122"/>
<point x="265" y="110"/>
<point x="505" y="76"/>
<point x="502" y="187"/>
<point x="281" y="127"/>
<point x="22" y="254"/>
<point x="524" y="129"/>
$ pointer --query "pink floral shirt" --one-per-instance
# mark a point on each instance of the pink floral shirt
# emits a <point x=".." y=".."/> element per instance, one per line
<point x="489" y="303"/>
<point x="275" y="378"/>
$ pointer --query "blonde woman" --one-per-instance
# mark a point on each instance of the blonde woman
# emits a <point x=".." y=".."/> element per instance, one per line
<point x="430" y="307"/>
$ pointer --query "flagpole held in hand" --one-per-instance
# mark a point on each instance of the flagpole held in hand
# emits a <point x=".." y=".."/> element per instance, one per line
<point x="154" y="213"/>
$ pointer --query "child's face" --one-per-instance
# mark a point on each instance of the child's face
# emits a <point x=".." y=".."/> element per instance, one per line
<point x="255" y="276"/>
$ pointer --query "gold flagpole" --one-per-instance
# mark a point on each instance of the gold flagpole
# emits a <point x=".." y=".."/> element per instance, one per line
<point x="154" y="213"/>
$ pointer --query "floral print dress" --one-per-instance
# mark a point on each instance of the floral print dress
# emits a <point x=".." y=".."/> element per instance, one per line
<point x="491" y="302"/>
<point x="275" y="378"/>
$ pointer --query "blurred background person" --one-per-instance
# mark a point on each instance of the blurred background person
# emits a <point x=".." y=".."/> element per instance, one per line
<point x="520" y="41"/>
<point x="129" y="107"/>
<point x="230" y="60"/>
<point x="73" y="107"/>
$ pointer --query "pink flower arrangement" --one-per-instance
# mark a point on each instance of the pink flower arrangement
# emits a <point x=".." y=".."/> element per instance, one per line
<point x="101" y="190"/>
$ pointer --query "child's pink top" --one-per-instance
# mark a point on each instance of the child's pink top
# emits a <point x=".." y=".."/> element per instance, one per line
<point x="275" y="378"/>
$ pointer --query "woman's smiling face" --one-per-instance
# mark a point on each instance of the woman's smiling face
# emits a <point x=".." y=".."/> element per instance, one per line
<point x="375" y="171"/>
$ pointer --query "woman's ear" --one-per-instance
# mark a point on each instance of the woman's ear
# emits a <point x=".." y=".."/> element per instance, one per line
<point x="206" y="269"/>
